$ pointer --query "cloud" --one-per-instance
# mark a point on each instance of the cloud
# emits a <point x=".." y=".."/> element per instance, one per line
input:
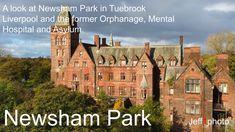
<point x="221" y="7"/>
<point x="193" y="19"/>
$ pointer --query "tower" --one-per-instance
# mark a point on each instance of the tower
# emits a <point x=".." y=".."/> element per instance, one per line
<point x="64" y="40"/>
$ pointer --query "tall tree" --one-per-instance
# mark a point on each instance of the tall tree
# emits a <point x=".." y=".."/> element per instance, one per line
<point x="221" y="42"/>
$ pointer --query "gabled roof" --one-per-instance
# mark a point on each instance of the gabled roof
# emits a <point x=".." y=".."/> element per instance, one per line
<point x="221" y="70"/>
<point x="199" y="66"/>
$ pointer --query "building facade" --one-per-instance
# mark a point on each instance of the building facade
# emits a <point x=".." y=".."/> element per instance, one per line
<point x="169" y="73"/>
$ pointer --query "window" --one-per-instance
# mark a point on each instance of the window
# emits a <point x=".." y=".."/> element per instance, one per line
<point x="57" y="41"/>
<point x="86" y="77"/>
<point x="110" y="90"/>
<point x="100" y="76"/>
<point x="60" y="63"/>
<point x="80" y="53"/>
<point x="76" y="64"/>
<point x="172" y="63"/>
<point x="133" y="92"/>
<point x="135" y="60"/>
<point x="110" y="76"/>
<point x="143" y="94"/>
<point x="86" y="89"/>
<point x="133" y="77"/>
<point x="122" y="76"/>
<point x="160" y="63"/>
<point x="101" y="60"/>
<point x="63" y="52"/>
<point x="57" y="52"/>
<point x="171" y="91"/>
<point x="123" y="60"/>
<point x="192" y="107"/>
<point x="144" y="65"/>
<point x="84" y="64"/>
<point x="63" y="41"/>
<point x="192" y="86"/>
<point x="172" y="60"/>
<point x="223" y="88"/>
<point x="112" y="60"/>
<point x="75" y="77"/>
<point x="134" y="63"/>
<point x="122" y="90"/>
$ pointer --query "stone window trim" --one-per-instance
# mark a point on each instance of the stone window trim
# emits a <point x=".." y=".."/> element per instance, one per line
<point x="223" y="87"/>
<point x="63" y="40"/>
<point x="192" y="86"/>
<point x="172" y="61"/>
<point x="57" y="40"/>
<point x="122" y="76"/>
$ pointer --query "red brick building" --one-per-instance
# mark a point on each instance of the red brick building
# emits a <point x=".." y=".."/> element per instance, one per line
<point x="170" y="74"/>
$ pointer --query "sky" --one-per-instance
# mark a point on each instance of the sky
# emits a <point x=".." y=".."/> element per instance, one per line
<point x="194" y="19"/>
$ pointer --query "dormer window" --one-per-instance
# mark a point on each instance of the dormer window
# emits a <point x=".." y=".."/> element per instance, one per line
<point x="173" y="61"/>
<point x="160" y="61"/>
<point x="57" y="41"/>
<point x="112" y="60"/>
<point x="134" y="60"/>
<point x="64" y="41"/>
<point x="123" y="61"/>
<point x="101" y="60"/>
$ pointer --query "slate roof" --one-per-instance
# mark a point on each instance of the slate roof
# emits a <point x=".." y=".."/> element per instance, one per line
<point x="166" y="51"/>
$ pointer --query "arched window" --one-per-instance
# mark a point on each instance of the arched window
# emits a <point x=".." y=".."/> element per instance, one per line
<point x="57" y="41"/>
<point x="173" y="61"/>
<point x="100" y="60"/>
<point x="123" y="61"/>
<point x="160" y="61"/>
<point x="64" y="41"/>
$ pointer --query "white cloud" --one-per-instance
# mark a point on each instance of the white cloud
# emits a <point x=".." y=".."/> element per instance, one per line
<point x="221" y="7"/>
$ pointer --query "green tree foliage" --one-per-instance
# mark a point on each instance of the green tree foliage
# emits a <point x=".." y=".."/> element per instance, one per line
<point x="29" y="72"/>
<point x="157" y="120"/>
<point x="210" y="62"/>
<point x="222" y="42"/>
<point x="11" y="95"/>
<point x="49" y="99"/>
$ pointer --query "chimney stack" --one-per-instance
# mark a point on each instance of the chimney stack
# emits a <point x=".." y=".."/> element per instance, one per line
<point x="222" y="61"/>
<point x="117" y="43"/>
<point x="103" y="41"/>
<point x="147" y="48"/>
<point x="97" y="41"/>
<point x="181" y="40"/>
